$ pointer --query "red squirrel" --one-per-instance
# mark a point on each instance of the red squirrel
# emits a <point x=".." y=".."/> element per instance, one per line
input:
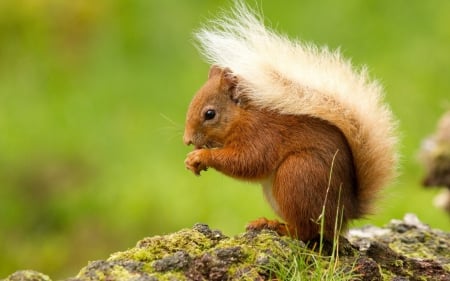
<point x="295" y="118"/>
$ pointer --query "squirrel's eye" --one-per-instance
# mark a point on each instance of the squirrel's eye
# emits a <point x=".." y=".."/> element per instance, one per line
<point x="210" y="114"/>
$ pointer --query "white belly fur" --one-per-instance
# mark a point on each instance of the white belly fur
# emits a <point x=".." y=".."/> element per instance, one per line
<point x="267" y="190"/>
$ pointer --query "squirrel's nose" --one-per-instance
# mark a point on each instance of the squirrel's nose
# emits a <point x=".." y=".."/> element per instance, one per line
<point x="187" y="140"/>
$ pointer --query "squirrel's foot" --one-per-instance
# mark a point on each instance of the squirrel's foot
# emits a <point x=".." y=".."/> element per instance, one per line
<point x="263" y="223"/>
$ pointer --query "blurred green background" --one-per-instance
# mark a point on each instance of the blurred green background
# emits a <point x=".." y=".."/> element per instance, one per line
<point x="93" y="96"/>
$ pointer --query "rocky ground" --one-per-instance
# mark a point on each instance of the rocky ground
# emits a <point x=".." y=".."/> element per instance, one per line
<point x="402" y="250"/>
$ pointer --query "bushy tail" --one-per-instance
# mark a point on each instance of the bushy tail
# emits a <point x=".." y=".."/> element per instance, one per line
<point x="294" y="77"/>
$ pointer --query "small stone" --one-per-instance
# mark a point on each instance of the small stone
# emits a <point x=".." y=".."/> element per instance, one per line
<point x="211" y="234"/>
<point x="177" y="261"/>
<point x="368" y="269"/>
<point x="413" y="220"/>
<point x="202" y="228"/>
<point x="232" y="254"/>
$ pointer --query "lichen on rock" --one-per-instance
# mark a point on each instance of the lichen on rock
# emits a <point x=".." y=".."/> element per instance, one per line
<point x="406" y="248"/>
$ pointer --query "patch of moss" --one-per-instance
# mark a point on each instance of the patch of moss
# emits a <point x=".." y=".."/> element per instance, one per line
<point x="157" y="247"/>
<point x="423" y="244"/>
<point x="27" y="275"/>
<point x="196" y="254"/>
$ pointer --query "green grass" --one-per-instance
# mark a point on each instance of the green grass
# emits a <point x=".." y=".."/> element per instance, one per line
<point x="92" y="104"/>
<point x="307" y="264"/>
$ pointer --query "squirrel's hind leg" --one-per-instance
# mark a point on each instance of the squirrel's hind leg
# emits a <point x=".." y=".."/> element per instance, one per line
<point x="299" y="188"/>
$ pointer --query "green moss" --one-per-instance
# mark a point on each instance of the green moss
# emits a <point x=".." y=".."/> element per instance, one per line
<point x="120" y="273"/>
<point x="387" y="275"/>
<point x="170" y="276"/>
<point x="398" y="263"/>
<point x="27" y="275"/>
<point x="157" y="247"/>
<point x="446" y="267"/>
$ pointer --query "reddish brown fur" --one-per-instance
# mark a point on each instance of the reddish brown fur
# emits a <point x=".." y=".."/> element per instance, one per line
<point x="295" y="152"/>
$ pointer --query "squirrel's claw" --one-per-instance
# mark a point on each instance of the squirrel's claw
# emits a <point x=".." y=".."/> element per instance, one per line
<point x="195" y="162"/>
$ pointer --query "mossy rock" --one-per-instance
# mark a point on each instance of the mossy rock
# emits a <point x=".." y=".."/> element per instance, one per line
<point x="403" y="250"/>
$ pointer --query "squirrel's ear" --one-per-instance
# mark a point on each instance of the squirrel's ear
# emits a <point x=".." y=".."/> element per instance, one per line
<point x="214" y="70"/>
<point x="228" y="79"/>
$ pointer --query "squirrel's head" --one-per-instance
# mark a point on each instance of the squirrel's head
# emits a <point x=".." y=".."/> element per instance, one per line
<point x="212" y="110"/>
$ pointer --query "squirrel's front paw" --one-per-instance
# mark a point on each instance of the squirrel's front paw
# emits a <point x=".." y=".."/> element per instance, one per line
<point x="196" y="161"/>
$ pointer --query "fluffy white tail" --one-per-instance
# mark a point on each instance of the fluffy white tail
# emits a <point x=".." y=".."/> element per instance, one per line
<point x="294" y="77"/>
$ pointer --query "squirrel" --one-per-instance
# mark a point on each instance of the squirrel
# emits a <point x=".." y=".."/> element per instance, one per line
<point x="294" y="117"/>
